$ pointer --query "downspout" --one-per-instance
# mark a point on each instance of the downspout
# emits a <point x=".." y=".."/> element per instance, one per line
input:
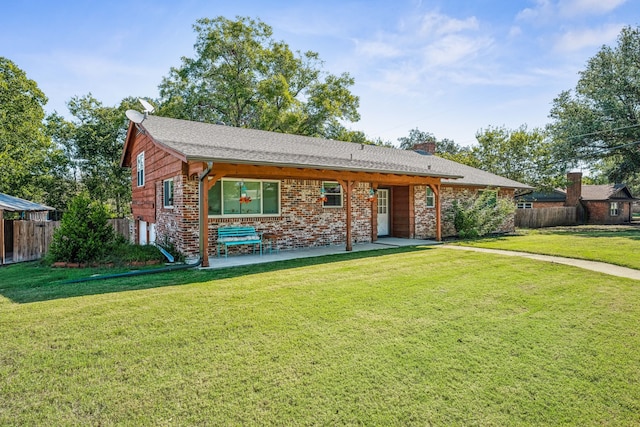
<point x="202" y="214"/>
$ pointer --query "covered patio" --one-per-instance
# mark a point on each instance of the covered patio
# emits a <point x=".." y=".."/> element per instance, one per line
<point x="275" y="256"/>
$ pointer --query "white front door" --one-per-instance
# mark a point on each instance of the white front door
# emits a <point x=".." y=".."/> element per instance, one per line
<point x="383" y="212"/>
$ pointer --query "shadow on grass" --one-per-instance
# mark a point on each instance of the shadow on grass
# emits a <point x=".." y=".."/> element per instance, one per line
<point x="33" y="282"/>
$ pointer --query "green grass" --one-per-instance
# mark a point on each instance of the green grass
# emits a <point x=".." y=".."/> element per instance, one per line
<point x="404" y="337"/>
<point x="619" y="245"/>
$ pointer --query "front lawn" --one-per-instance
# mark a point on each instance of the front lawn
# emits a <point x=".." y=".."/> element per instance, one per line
<point x="405" y="337"/>
<point x="619" y="245"/>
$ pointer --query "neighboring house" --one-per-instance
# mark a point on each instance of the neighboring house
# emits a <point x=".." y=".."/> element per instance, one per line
<point x="20" y="237"/>
<point x="541" y="199"/>
<point x="597" y="204"/>
<point x="190" y="178"/>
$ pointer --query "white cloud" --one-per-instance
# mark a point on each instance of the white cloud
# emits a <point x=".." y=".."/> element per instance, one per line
<point x="515" y="31"/>
<point x="576" y="40"/>
<point x="421" y="52"/>
<point x="378" y="49"/>
<point x="454" y="49"/>
<point x="542" y="10"/>
<point x="439" y="25"/>
<point x="548" y="10"/>
<point x="588" y="7"/>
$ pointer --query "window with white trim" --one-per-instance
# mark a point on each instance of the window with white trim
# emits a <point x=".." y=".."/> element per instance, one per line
<point x="140" y="169"/>
<point x="431" y="198"/>
<point x="333" y="193"/>
<point x="613" y="209"/>
<point x="525" y="205"/>
<point x="244" y="197"/>
<point x="167" y="193"/>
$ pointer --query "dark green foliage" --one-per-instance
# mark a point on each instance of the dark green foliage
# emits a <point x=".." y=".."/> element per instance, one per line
<point x="598" y="122"/>
<point x="32" y="166"/>
<point x="84" y="234"/>
<point x="243" y="77"/>
<point x="478" y="216"/>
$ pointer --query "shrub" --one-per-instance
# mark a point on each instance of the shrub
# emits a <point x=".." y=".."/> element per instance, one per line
<point x="84" y="234"/>
<point x="478" y="216"/>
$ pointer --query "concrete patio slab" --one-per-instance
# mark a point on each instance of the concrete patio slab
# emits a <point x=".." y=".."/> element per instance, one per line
<point x="380" y="244"/>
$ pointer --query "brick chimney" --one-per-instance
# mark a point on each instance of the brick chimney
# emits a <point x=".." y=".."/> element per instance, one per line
<point x="428" y="147"/>
<point x="574" y="188"/>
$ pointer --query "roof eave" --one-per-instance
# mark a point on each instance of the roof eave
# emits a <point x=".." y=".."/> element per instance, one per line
<point x="321" y="167"/>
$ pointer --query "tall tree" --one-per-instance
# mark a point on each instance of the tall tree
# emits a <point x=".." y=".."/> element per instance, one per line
<point x="445" y="148"/>
<point x="95" y="140"/>
<point x="28" y="158"/>
<point x="599" y="122"/>
<point x="524" y="155"/>
<point x="242" y="77"/>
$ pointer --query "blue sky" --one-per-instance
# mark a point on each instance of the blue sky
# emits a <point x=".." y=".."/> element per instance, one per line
<point x="446" y="67"/>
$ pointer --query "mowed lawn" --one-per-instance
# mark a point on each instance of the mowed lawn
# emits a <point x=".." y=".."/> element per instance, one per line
<point x="619" y="245"/>
<point x="398" y="337"/>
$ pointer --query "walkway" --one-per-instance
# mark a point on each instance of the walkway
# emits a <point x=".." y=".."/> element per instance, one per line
<point x="381" y="243"/>
<point x="601" y="267"/>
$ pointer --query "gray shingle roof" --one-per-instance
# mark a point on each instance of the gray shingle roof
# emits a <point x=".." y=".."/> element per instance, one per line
<point x="16" y="204"/>
<point x="605" y="192"/>
<point x="226" y="144"/>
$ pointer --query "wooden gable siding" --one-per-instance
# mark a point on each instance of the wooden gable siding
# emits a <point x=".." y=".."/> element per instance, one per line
<point x="159" y="165"/>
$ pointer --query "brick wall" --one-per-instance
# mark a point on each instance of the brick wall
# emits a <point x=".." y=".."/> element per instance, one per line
<point x="599" y="212"/>
<point x="303" y="222"/>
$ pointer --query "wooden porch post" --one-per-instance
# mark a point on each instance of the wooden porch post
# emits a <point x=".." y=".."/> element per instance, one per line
<point x="438" y="209"/>
<point x="374" y="214"/>
<point x="2" y="254"/>
<point x="204" y="217"/>
<point x="412" y="212"/>
<point x="347" y="187"/>
<point x="204" y="213"/>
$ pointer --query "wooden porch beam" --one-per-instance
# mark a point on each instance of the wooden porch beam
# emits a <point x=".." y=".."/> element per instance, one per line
<point x="277" y="172"/>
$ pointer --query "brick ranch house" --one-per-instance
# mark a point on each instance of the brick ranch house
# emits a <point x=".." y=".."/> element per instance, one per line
<point x="190" y="178"/>
<point x="596" y="204"/>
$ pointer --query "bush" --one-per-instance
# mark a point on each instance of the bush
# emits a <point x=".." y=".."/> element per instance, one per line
<point x="478" y="216"/>
<point x="84" y="234"/>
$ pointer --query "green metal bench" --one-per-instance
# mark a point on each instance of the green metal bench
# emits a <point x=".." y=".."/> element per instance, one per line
<point x="231" y="236"/>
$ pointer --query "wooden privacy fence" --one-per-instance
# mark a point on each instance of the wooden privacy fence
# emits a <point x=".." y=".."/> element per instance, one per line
<point x="546" y="217"/>
<point x="30" y="240"/>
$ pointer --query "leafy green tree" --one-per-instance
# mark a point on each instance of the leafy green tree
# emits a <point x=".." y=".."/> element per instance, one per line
<point x="31" y="164"/>
<point x="244" y="78"/>
<point x="94" y="140"/>
<point x="524" y="155"/>
<point x="444" y="147"/>
<point x="84" y="234"/>
<point x="599" y="121"/>
<point x="480" y="215"/>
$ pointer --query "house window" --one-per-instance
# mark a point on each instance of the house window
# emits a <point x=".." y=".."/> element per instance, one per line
<point x="167" y="193"/>
<point x="613" y="209"/>
<point x="524" y="205"/>
<point x="140" y="168"/>
<point x="259" y="198"/>
<point x="431" y="198"/>
<point x="333" y="193"/>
